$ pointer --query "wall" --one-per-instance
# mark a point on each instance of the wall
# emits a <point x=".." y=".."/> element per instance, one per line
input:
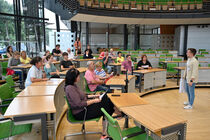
<point x="198" y="38"/>
<point x="179" y="40"/>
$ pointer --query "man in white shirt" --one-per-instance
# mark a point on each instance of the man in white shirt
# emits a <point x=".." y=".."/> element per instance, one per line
<point x="70" y="54"/>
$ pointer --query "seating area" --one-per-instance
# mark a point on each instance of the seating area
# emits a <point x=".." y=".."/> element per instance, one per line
<point x="144" y="5"/>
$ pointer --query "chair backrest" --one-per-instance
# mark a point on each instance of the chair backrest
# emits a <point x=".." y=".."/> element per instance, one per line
<point x="70" y="116"/>
<point x="162" y="55"/>
<point x="10" y="80"/>
<point x="208" y="65"/>
<point x="113" y="128"/>
<point x="5" y="92"/>
<point x="86" y="86"/>
<point x="5" y="127"/>
<point x="176" y="59"/>
<point x="162" y="59"/>
<point x="4" y="68"/>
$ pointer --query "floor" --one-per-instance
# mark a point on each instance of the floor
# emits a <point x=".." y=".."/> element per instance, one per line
<point x="198" y="118"/>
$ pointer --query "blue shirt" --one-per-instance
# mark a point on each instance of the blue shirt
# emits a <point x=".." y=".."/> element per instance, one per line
<point x="33" y="72"/>
<point x="101" y="73"/>
<point x="49" y="70"/>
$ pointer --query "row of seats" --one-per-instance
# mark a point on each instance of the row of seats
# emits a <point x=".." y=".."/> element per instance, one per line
<point x="144" y="4"/>
<point x="7" y="127"/>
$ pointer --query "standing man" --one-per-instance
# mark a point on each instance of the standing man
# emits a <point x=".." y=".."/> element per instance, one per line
<point x="191" y="76"/>
<point x="57" y="52"/>
<point x="77" y="46"/>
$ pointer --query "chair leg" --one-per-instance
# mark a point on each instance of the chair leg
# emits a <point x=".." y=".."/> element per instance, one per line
<point x="83" y="132"/>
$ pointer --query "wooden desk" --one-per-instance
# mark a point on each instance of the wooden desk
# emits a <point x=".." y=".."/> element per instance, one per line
<point x="203" y="74"/>
<point x="30" y="109"/>
<point x="126" y="99"/>
<point x="30" y="105"/>
<point x="25" y="66"/>
<point x="51" y="82"/>
<point x="83" y="62"/>
<point x="154" y="77"/>
<point x="4" y="59"/>
<point x="81" y="70"/>
<point x="118" y="82"/>
<point x="117" y="67"/>
<point x="153" y="118"/>
<point x="38" y="91"/>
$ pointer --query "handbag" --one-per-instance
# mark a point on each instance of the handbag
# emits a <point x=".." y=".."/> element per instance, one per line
<point x="182" y="85"/>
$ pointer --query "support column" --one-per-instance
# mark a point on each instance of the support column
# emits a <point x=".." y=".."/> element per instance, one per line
<point x="136" y="37"/>
<point x="87" y="34"/>
<point x="57" y="23"/>
<point x="125" y="32"/>
<point x="185" y="41"/>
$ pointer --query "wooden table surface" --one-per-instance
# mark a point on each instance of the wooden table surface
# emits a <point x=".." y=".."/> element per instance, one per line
<point x="87" y="59"/>
<point x="56" y="62"/>
<point x="182" y="61"/>
<point x="148" y="70"/>
<point x="119" y="80"/>
<point x="4" y="59"/>
<point x="30" y="105"/>
<point x="22" y="66"/>
<point x="115" y="64"/>
<point x="126" y="99"/>
<point x="38" y="91"/>
<point x="81" y="70"/>
<point x="200" y="68"/>
<point x="152" y="117"/>
<point x="51" y="82"/>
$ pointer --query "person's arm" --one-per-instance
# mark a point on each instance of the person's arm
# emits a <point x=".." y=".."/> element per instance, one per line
<point x="150" y="66"/>
<point x="194" y="70"/>
<point x="38" y="80"/>
<point x="63" y="69"/>
<point x="8" y="55"/>
<point x="106" y="60"/>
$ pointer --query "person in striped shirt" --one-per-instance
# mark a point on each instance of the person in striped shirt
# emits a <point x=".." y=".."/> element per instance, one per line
<point x="99" y="71"/>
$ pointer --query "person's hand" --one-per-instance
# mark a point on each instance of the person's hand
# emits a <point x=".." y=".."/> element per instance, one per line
<point x="97" y="100"/>
<point x="97" y="96"/>
<point x="45" y="79"/>
<point x="190" y="83"/>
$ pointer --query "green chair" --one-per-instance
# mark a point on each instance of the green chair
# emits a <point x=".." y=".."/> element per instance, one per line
<point x="170" y="68"/>
<point x="4" y="68"/>
<point x="80" y="57"/>
<point x="202" y="50"/>
<point x="208" y="65"/>
<point x="11" y="83"/>
<point x="160" y="60"/>
<point x="152" y="52"/>
<point x="169" y="55"/>
<point x="165" y="52"/>
<point x="72" y="120"/>
<point x="8" y="128"/>
<point x="134" y="52"/>
<point x="134" y="58"/>
<point x="176" y="59"/>
<point x="199" y="55"/>
<point x="5" y="56"/>
<point x="114" y="130"/>
<point x="87" y="90"/>
<point x="204" y="53"/>
<point x="162" y="55"/>
<point x="6" y="96"/>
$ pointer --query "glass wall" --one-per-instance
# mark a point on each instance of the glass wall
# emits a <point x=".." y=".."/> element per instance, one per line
<point x="22" y="25"/>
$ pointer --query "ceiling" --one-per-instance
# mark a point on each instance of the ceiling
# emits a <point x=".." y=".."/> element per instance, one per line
<point x="126" y="20"/>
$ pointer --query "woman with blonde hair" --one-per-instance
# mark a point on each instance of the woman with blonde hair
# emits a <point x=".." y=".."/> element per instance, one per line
<point x="99" y="71"/>
<point x="23" y="58"/>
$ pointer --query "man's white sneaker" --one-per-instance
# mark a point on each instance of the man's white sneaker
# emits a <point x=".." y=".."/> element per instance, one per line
<point x="186" y="103"/>
<point x="188" y="107"/>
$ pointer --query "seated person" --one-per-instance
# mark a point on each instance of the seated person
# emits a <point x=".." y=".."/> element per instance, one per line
<point x="57" y="53"/>
<point x="100" y="72"/>
<point x="50" y="69"/>
<point x="94" y="83"/>
<point x="82" y="104"/>
<point x="111" y="54"/>
<point x="66" y="64"/>
<point x="143" y="63"/>
<point x="23" y="58"/>
<point x="87" y="55"/>
<point x="45" y="55"/>
<point x="35" y="73"/>
<point x="89" y="49"/>
<point x="70" y="54"/>
<point x="120" y="58"/>
<point x="127" y="64"/>
<point x="106" y="61"/>
<point x="102" y="53"/>
<point x="15" y="61"/>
